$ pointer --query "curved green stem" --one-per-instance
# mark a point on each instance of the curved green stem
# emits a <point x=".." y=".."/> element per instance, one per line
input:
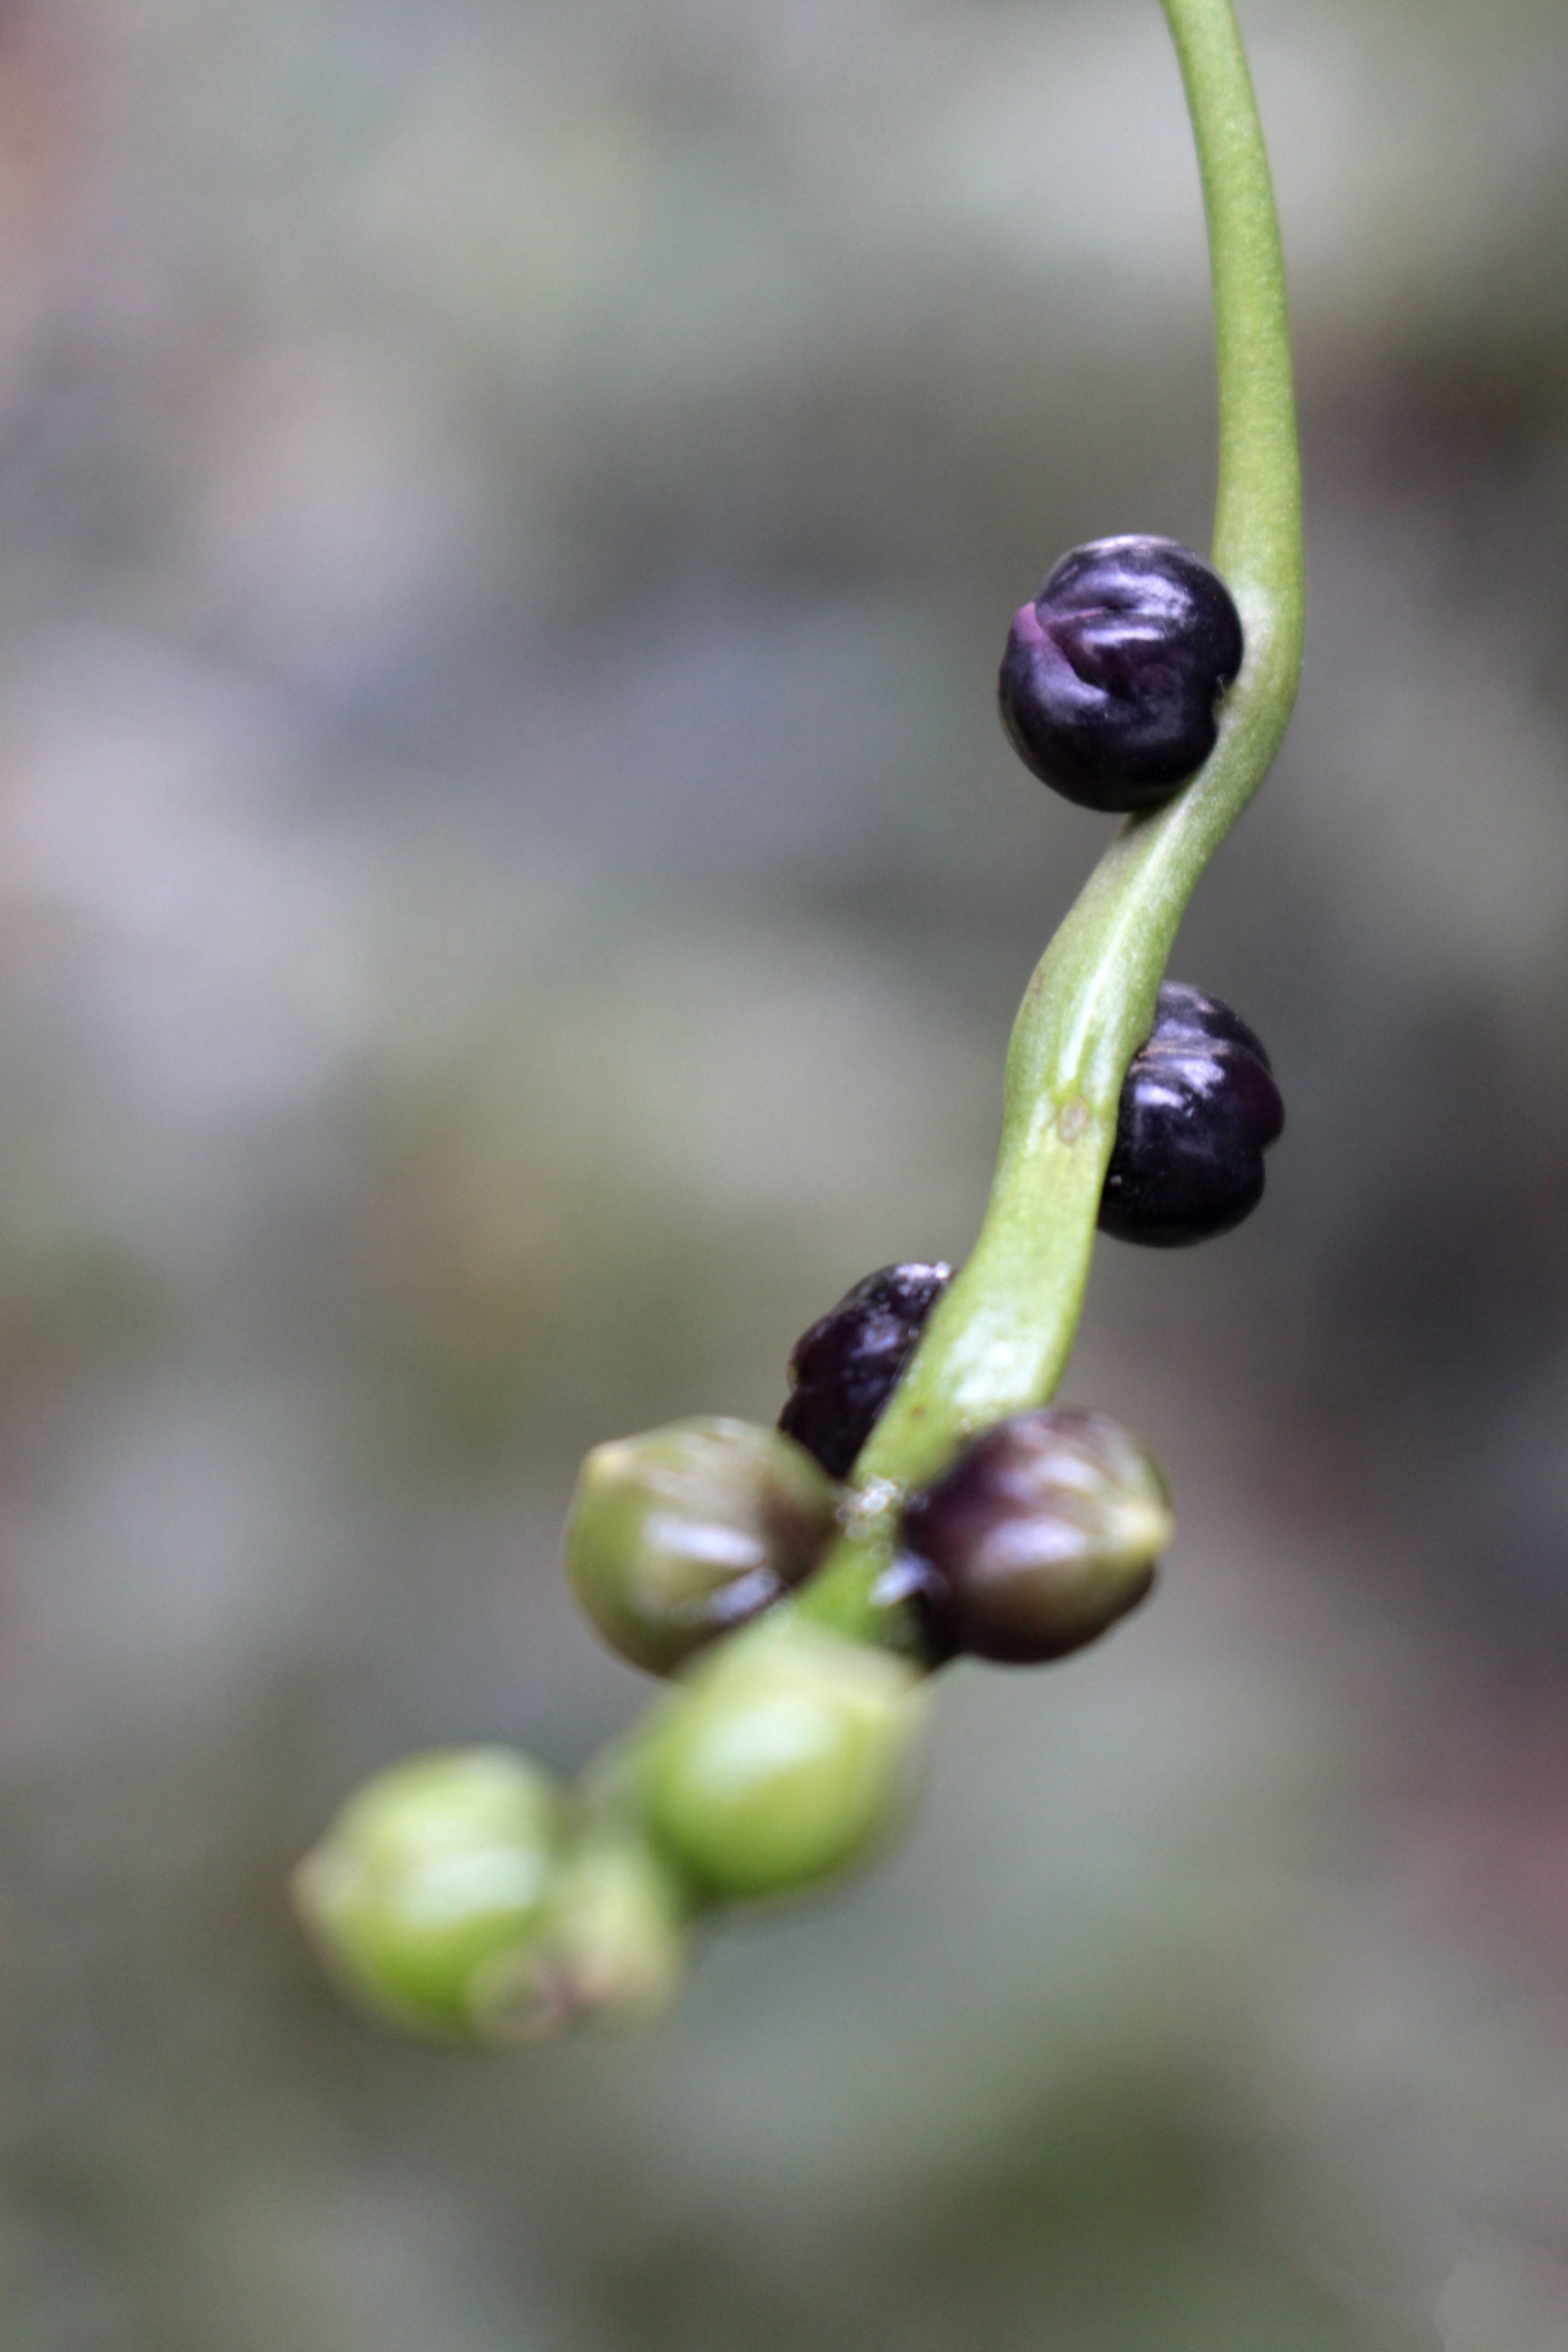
<point x="1000" y="1338"/>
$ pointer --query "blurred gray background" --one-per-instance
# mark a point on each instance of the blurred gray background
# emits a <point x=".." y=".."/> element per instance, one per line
<point x="511" y="896"/>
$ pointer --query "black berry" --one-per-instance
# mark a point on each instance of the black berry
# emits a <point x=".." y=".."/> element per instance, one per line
<point x="1182" y="1011"/>
<point x="1112" y="675"/>
<point x="1199" y="1107"/>
<point x="1044" y="1532"/>
<point x="843" y="1371"/>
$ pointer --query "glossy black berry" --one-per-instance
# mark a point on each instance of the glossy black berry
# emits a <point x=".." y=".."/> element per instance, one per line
<point x="1112" y="675"/>
<point x="843" y="1371"/>
<point x="1199" y="1107"/>
<point x="1182" y="1011"/>
<point x="1044" y="1532"/>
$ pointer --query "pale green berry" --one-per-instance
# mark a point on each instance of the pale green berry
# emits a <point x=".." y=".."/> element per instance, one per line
<point x="789" y="1755"/>
<point x="428" y="1872"/>
<point x="684" y="1533"/>
<point x="611" y="1950"/>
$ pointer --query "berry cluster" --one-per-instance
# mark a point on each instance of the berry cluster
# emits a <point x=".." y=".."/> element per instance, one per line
<point x="451" y="1894"/>
<point x="458" y="1893"/>
<point x="1042" y="1533"/>
<point x="797" y="1586"/>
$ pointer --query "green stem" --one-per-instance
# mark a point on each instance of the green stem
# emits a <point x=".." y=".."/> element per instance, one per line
<point x="1000" y="1338"/>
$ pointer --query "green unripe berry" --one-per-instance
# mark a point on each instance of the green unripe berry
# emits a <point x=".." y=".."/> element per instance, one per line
<point x="788" y="1756"/>
<point x="426" y="1874"/>
<point x="611" y="1952"/>
<point x="680" y="1534"/>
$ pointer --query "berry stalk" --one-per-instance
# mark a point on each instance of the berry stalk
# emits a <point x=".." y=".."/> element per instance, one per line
<point x="1000" y="1337"/>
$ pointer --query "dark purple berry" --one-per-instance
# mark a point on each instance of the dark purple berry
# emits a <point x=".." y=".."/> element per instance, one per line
<point x="1182" y="1011"/>
<point x="843" y="1371"/>
<point x="1044" y="1532"/>
<point x="1199" y="1107"/>
<point x="1112" y="676"/>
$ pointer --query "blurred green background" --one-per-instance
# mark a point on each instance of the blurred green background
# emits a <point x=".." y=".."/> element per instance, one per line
<point x="511" y="896"/>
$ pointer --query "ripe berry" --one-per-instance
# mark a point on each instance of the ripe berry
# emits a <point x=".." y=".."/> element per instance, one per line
<point x="682" y="1534"/>
<point x="1198" y="1110"/>
<point x="1045" y="1531"/>
<point x="1112" y="675"/>
<point x="429" y="1876"/>
<point x="843" y="1371"/>
<point x="789" y="1755"/>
